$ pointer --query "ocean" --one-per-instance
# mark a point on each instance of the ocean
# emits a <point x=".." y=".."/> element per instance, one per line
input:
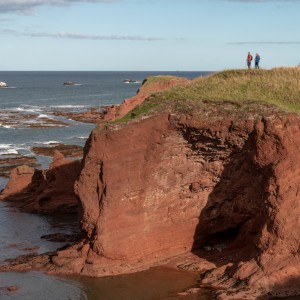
<point x="27" y="119"/>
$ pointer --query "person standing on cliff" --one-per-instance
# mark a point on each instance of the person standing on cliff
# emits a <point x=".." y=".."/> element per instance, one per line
<point x="257" y="60"/>
<point x="249" y="60"/>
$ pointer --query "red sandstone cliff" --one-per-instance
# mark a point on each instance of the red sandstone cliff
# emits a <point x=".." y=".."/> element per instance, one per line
<point x="223" y="187"/>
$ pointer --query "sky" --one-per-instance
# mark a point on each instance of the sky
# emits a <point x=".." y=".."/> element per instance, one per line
<point x="147" y="35"/>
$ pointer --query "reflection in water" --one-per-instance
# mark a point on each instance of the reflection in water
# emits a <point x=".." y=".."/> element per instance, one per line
<point x="156" y="283"/>
<point x="20" y="233"/>
<point x="38" y="286"/>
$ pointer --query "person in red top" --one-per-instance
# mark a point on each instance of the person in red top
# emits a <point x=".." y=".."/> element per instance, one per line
<point x="249" y="60"/>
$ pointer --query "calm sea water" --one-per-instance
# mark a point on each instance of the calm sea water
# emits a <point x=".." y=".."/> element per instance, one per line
<point x="36" y="95"/>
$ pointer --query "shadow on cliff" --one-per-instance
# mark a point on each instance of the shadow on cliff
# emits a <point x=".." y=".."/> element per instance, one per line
<point x="288" y="289"/>
<point x="49" y="193"/>
<point x="230" y="223"/>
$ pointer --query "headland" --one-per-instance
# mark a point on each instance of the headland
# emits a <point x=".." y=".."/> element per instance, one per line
<point x="199" y="174"/>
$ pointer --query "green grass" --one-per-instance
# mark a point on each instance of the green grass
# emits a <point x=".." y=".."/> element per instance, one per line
<point x="138" y="111"/>
<point x="254" y="90"/>
<point x="149" y="84"/>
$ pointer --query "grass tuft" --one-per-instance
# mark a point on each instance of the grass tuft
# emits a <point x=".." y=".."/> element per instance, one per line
<point x="261" y="89"/>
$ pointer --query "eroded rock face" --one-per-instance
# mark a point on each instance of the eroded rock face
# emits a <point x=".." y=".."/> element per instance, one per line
<point x="225" y="189"/>
<point x="269" y="204"/>
<point x="44" y="192"/>
<point x="143" y="187"/>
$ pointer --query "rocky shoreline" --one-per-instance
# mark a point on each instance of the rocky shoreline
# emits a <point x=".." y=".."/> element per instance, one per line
<point x="70" y="151"/>
<point x="209" y="192"/>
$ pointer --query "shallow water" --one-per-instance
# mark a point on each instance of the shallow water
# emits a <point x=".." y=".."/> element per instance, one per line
<point x="19" y="232"/>
<point x="38" y="286"/>
<point x="154" y="284"/>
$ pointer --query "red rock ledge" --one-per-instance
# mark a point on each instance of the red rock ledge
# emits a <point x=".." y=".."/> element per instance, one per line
<point x="224" y="189"/>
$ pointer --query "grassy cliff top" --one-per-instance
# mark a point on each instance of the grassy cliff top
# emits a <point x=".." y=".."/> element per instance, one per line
<point x="278" y="87"/>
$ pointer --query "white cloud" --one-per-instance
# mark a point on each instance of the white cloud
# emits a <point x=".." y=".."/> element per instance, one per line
<point x="28" y="6"/>
<point x="266" y="43"/>
<point x="261" y="1"/>
<point x="80" y="36"/>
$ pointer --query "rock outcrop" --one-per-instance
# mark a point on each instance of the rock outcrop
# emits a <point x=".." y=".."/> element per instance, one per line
<point x="224" y="189"/>
<point x="14" y="161"/>
<point x="44" y="192"/>
<point x="19" y="179"/>
<point x="148" y="87"/>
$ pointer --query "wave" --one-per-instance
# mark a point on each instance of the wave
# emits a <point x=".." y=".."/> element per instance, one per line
<point x="24" y="109"/>
<point x="7" y="149"/>
<point x="44" y="116"/>
<point x="9" y="152"/>
<point x="5" y="146"/>
<point x="135" y="82"/>
<point x="69" y="106"/>
<point x="47" y="143"/>
<point x="7" y="126"/>
<point x="14" y="146"/>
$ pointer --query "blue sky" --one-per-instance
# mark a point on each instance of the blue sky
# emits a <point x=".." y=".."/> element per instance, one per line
<point x="185" y="35"/>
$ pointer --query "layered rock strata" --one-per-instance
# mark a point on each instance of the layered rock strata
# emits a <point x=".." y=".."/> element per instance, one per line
<point x="223" y="187"/>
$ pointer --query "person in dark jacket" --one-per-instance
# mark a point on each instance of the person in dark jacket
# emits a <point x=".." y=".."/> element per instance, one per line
<point x="257" y="60"/>
<point x="249" y="60"/>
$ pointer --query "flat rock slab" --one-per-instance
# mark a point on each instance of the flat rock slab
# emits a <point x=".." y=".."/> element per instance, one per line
<point x="67" y="150"/>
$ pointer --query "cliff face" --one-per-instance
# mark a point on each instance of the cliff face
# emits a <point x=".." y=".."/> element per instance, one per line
<point x="223" y="188"/>
<point x="143" y="186"/>
<point x="251" y="215"/>
<point x="220" y="186"/>
<point x="138" y="195"/>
